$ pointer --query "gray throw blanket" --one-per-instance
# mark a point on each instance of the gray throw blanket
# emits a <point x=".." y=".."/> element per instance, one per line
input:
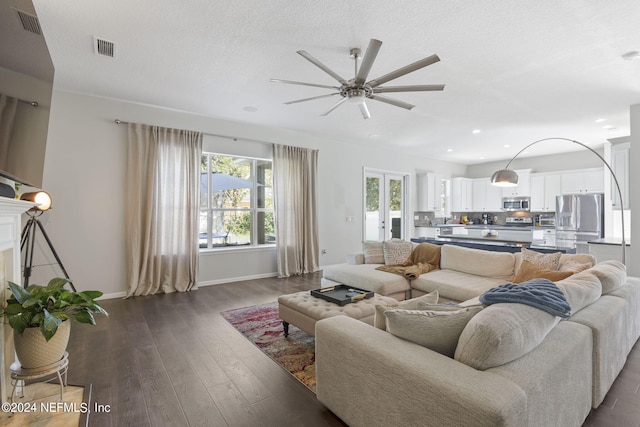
<point x="539" y="293"/>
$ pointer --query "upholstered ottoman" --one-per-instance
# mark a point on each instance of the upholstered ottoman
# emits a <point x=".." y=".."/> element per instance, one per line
<point x="303" y="310"/>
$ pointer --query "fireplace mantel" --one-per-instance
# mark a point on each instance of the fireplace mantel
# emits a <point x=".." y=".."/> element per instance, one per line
<point x="11" y="211"/>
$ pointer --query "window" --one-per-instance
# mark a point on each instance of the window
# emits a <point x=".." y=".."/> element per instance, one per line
<point x="236" y="201"/>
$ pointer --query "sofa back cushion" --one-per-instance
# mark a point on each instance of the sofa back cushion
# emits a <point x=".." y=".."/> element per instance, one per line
<point x="612" y="275"/>
<point x="502" y="333"/>
<point x="477" y="262"/>
<point x="581" y="289"/>
<point x="437" y="328"/>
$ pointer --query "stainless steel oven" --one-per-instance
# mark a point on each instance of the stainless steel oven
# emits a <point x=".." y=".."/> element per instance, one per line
<point x="514" y="204"/>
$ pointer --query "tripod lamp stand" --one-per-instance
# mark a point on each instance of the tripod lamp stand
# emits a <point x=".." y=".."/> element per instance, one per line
<point x="28" y="237"/>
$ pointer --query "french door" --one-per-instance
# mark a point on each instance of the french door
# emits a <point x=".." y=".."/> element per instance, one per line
<point x="384" y="205"/>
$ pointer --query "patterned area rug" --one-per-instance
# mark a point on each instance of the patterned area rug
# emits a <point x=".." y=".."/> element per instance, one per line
<point x="261" y="325"/>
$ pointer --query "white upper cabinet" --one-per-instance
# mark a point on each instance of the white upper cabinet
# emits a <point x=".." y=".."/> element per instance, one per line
<point x="430" y="192"/>
<point x="461" y="195"/>
<point x="523" y="188"/>
<point x="544" y="189"/>
<point x="620" y="166"/>
<point x="583" y="181"/>
<point x="485" y="197"/>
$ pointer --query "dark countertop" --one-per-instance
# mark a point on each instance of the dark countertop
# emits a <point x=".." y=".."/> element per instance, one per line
<point x="608" y="241"/>
<point x="490" y="244"/>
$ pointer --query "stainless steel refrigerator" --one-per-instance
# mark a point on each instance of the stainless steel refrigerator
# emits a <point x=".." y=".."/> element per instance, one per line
<point x="579" y="218"/>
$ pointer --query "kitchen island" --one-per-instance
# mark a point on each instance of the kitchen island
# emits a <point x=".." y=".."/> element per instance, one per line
<point x="490" y="244"/>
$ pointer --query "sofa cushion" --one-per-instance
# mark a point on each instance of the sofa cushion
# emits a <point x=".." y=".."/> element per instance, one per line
<point x="454" y="285"/>
<point x="612" y="274"/>
<point x="373" y="253"/>
<point x="502" y="333"/>
<point x="529" y="270"/>
<point x="581" y="289"/>
<point x="365" y="276"/>
<point x="396" y="251"/>
<point x="477" y="262"/>
<point x="410" y="304"/>
<point x="437" y="328"/>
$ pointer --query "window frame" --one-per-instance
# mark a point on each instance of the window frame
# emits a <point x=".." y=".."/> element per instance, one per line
<point x="253" y="210"/>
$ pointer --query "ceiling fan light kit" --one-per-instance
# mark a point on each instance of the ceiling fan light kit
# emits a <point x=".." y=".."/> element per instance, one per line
<point x="358" y="89"/>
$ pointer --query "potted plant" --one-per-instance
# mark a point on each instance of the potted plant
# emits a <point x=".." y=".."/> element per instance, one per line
<point x="39" y="315"/>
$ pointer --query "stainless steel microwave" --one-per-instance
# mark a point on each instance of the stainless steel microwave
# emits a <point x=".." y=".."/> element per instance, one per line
<point x="512" y="204"/>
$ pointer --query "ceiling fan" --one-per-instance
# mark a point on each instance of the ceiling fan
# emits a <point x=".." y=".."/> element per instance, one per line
<point x="358" y="89"/>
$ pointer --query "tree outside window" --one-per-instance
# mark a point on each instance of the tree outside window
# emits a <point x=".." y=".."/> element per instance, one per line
<point x="236" y="203"/>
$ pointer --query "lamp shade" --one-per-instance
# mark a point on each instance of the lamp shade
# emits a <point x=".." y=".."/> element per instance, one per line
<point x="42" y="198"/>
<point x="504" y="178"/>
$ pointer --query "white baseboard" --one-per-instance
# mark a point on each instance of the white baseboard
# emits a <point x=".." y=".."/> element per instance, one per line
<point x="236" y="279"/>
<point x="113" y="295"/>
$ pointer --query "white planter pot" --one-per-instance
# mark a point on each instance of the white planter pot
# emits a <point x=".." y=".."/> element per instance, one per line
<point x="35" y="352"/>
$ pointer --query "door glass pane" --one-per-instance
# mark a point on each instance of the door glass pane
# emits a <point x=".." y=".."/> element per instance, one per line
<point x="395" y="208"/>
<point x="372" y="214"/>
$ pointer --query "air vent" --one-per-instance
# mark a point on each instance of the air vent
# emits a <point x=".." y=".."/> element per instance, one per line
<point x="29" y="22"/>
<point x="104" y="47"/>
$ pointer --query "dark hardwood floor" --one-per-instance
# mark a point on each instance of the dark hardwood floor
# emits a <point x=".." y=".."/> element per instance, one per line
<point x="172" y="360"/>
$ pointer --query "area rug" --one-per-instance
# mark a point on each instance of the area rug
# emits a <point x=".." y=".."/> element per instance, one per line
<point x="261" y="325"/>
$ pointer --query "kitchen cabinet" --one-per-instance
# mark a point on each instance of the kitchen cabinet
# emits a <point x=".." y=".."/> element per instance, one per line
<point x="620" y="166"/>
<point x="583" y="181"/>
<point x="485" y="197"/>
<point x="430" y="193"/>
<point x="523" y="188"/>
<point x="544" y="189"/>
<point x="461" y="195"/>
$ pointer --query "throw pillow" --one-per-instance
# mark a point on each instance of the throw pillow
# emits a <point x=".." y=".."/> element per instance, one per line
<point x="502" y="333"/>
<point x="574" y="266"/>
<point x="529" y="270"/>
<point x="547" y="261"/>
<point x="373" y="253"/>
<point x="396" y="251"/>
<point x="379" y="321"/>
<point x="437" y="330"/>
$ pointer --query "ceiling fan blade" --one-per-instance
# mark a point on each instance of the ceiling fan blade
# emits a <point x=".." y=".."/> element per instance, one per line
<point x="392" y="101"/>
<point x="320" y="65"/>
<point x="411" y="88"/>
<point x="291" y="82"/>
<point x="364" y="110"/>
<point x="312" y="98"/>
<point x="367" y="62"/>
<point x="336" y="105"/>
<point x="404" y="70"/>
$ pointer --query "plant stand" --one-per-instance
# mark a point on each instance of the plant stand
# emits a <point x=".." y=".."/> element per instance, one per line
<point x="53" y="371"/>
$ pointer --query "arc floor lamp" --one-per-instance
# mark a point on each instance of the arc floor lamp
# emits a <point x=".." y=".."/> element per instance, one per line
<point x="509" y="178"/>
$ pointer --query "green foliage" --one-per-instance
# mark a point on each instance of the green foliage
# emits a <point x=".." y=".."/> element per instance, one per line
<point x="46" y="307"/>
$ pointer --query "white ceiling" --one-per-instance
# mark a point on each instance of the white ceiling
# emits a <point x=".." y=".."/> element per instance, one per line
<point x="516" y="70"/>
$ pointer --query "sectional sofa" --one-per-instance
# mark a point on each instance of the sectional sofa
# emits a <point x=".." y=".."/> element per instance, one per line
<point x="510" y="364"/>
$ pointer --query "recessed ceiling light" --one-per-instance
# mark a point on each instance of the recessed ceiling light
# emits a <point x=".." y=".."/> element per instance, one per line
<point x="481" y="158"/>
<point x="608" y="127"/>
<point x="507" y="146"/>
<point x="630" y="56"/>
<point x="250" y="109"/>
<point x="600" y="120"/>
<point x="476" y="131"/>
<point x="373" y="135"/>
<point x="449" y="150"/>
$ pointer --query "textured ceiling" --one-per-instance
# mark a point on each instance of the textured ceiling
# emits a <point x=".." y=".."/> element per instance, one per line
<point x="516" y="70"/>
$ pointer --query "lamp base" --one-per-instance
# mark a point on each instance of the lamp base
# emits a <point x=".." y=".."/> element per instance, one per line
<point x="7" y="190"/>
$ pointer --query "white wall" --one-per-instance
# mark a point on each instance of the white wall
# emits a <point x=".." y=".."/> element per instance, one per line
<point x="85" y="168"/>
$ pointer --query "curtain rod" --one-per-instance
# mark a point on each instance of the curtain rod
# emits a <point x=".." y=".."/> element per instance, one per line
<point x="118" y="122"/>
<point x="32" y="103"/>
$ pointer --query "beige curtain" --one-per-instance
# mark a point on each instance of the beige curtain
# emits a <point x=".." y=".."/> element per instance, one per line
<point x="163" y="197"/>
<point x="296" y="215"/>
<point x="8" y="107"/>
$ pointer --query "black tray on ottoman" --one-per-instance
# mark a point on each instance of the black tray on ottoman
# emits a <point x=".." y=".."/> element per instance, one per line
<point x="341" y="294"/>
